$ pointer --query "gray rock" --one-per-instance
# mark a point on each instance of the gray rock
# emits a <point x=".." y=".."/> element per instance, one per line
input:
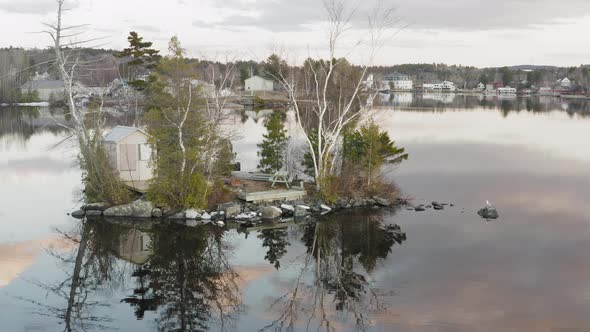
<point x="438" y="207"/>
<point x="96" y="206"/>
<point x="419" y="208"/>
<point x="382" y="201"/>
<point x="78" y="214"/>
<point x="137" y="209"/>
<point x="300" y="212"/>
<point x="206" y="216"/>
<point x="230" y="209"/>
<point x="192" y="214"/>
<point x="157" y="213"/>
<point x="370" y="201"/>
<point x="271" y="212"/>
<point x="179" y="215"/>
<point x="93" y="213"/>
<point x="488" y="213"/>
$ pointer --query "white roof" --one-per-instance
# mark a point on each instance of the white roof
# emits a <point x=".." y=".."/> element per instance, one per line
<point x="120" y="132"/>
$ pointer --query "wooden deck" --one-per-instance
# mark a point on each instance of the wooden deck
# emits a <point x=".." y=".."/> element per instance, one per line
<point x="271" y="195"/>
<point x="139" y="186"/>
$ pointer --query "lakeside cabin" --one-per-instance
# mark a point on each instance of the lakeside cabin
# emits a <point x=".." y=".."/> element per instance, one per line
<point x="129" y="153"/>
<point x="257" y="83"/>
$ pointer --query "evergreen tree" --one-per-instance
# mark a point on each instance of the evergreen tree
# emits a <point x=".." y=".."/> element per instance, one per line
<point x="272" y="148"/>
<point x="141" y="58"/>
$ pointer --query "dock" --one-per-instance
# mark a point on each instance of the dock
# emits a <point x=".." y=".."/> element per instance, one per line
<point x="272" y="195"/>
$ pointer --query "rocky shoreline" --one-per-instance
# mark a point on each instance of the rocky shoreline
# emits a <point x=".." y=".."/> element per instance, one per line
<point x="240" y="212"/>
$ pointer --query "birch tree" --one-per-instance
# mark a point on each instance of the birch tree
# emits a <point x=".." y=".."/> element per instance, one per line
<point x="184" y="119"/>
<point x="325" y="96"/>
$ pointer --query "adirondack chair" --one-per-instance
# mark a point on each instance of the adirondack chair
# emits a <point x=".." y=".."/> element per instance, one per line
<point x="281" y="177"/>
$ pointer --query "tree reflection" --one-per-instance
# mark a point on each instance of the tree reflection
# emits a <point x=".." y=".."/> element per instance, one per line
<point x="334" y="279"/>
<point x="189" y="280"/>
<point x="276" y="240"/>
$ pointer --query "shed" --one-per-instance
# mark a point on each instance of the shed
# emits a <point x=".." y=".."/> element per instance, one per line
<point x="129" y="153"/>
<point x="257" y="83"/>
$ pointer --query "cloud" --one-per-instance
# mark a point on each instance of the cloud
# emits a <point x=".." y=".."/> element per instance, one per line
<point x="287" y="15"/>
<point x="146" y="28"/>
<point x="36" y="7"/>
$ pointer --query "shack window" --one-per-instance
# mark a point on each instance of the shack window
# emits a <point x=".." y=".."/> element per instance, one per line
<point x="145" y="152"/>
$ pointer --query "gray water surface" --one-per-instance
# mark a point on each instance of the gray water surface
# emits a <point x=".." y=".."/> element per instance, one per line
<point x="527" y="271"/>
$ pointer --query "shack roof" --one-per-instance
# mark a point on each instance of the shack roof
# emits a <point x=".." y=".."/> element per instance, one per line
<point x="120" y="132"/>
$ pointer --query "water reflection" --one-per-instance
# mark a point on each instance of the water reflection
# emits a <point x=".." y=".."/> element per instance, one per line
<point x="183" y="276"/>
<point x="332" y="288"/>
<point x="436" y="102"/>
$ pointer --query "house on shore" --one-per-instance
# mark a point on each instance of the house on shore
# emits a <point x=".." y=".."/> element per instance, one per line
<point x="481" y="86"/>
<point x="398" y="81"/>
<point x="258" y="83"/>
<point x="444" y="86"/>
<point x="129" y="153"/>
<point x="565" y="83"/>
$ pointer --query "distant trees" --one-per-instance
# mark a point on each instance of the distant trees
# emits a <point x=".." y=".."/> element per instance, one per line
<point x="273" y="147"/>
<point x="274" y="66"/>
<point x="506" y="75"/>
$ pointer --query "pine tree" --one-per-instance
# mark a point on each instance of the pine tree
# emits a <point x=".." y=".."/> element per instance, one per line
<point x="272" y="148"/>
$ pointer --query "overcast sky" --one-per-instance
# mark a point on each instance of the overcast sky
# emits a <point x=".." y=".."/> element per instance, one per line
<point x="468" y="32"/>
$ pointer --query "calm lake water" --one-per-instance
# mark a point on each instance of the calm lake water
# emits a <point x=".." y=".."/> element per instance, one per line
<point x="527" y="271"/>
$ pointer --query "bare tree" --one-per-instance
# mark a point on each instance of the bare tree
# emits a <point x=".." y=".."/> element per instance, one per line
<point x="323" y="105"/>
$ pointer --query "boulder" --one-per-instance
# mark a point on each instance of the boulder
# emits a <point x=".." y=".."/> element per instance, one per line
<point x="288" y="207"/>
<point x="300" y="212"/>
<point x="192" y="214"/>
<point x="96" y="206"/>
<point x="157" y="213"/>
<point x="179" y="215"/>
<point x="206" y="216"/>
<point x="382" y="201"/>
<point x="271" y="212"/>
<point x="358" y="203"/>
<point x="488" y="213"/>
<point x="137" y="209"/>
<point x="93" y="213"/>
<point x="438" y="207"/>
<point x="230" y="209"/>
<point x="78" y="214"/>
<point x="325" y="207"/>
<point x="419" y="208"/>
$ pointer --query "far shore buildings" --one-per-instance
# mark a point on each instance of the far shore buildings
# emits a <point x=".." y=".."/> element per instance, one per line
<point x="397" y="81"/>
<point x="565" y="83"/>
<point x="258" y="83"/>
<point x="444" y="86"/>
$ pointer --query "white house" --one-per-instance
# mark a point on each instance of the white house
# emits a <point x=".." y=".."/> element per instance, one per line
<point x="506" y="91"/>
<point x="444" y="86"/>
<point x="481" y="86"/>
<point x="257" y="83"/>
<point x="566" y="83"/>
<point x="399" y="81"/>
<point x="129" y="153"/>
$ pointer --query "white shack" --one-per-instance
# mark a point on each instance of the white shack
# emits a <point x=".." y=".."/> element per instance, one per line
<point x="129" y="153"/>
<point x="257" y="83"/>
